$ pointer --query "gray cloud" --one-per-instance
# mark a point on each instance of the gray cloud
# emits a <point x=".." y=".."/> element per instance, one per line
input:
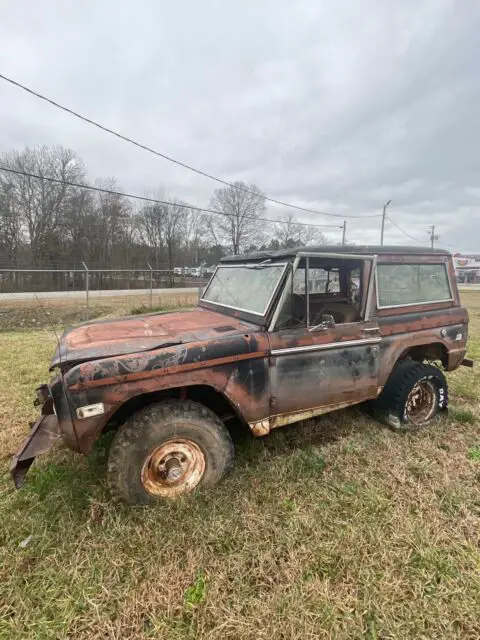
<point x="336" y="107"/>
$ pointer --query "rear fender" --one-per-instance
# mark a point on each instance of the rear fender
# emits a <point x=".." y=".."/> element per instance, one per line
<point x="394" y="348"/>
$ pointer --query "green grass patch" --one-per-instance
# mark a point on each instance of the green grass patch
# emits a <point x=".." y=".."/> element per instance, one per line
<point x="332" y="528"/>
<point x="463" y="416"/>
<point x="474" y="453"/>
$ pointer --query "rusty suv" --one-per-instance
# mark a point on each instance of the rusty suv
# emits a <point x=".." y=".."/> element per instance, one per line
<point x="277" y="337"/>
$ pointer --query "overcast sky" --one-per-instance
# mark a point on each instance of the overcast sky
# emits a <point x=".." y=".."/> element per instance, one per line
<point x="334" y="106"/>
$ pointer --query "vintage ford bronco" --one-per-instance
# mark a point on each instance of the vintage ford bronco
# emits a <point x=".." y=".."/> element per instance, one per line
<point x="277" y="337"/>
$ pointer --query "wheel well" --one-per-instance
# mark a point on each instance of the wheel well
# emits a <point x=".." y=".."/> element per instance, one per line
<point x="432" y="352"/>
<point x="203" y="394"/>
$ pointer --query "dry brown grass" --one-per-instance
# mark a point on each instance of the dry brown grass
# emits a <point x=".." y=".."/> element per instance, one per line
<point x="28" y="314"/>
<point x="334" y="528"/>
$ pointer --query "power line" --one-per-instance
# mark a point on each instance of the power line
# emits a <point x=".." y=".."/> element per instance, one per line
<point x="404" y="232"/>
<point x="442" y="244"/>
<point x="157" y="201"/>
<point x="170" y="159"/>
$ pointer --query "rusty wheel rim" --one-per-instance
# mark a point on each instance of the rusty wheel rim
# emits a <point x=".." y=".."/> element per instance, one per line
<point x="173" y="468"/>
<point x="421" y="402"/>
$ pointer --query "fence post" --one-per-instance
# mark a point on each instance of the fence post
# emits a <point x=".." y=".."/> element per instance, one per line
<point x="151" y="285"/>
<point x="87" y="289"/>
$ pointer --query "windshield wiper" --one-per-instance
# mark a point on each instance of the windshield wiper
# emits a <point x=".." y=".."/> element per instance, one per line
<point x="260" y="265"/>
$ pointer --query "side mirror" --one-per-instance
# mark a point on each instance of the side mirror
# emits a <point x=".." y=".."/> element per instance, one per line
<point x="327" y="323"/>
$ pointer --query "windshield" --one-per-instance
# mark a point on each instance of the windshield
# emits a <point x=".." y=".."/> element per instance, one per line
<point x="246" y="288"/>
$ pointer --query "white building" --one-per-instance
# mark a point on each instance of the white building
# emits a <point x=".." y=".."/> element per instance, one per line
<point x="467" y="268"/>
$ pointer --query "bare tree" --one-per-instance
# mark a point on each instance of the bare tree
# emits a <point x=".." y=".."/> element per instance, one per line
<point x="151" y="228"/>
<point x="289" y="233"/>
<point x="39" y="203"/>
<point x="133" y="240"/>
<point x="42" y="221"/>
<point x="106" y="236"/>
<point x="79" y="222"/>
<point x="239" y="226"/>
<point x="163" y="227"/>
<point x="174" y="228"/>
<point x="10" y="224"/>
<point x="196" y="228"/>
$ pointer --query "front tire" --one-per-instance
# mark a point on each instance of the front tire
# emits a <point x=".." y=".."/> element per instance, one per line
<point x="167" y="450"/>
<point x="414" y="394"/>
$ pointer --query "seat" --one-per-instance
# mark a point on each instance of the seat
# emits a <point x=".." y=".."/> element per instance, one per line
<point x="342" y="312"/>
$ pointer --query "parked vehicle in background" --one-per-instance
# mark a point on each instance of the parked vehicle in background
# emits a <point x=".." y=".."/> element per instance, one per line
<point x="196" y="272"/>
<point x="277" y="337"/>
<point x="177" y="271"/>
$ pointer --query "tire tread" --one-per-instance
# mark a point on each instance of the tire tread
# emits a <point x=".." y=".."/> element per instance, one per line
<point x="389" y="406"/>
<point x="150" y="417"/>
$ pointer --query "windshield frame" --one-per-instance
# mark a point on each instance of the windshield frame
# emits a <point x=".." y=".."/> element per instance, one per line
<point x="253" y="316"/>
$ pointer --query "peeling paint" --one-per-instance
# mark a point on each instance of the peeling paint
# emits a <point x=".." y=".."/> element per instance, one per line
<point x="268" y="379"/>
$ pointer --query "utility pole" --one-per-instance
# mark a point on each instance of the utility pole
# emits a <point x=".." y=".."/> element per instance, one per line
<point x="383" y="221"/>
<point x="433" y="236"/>
<point x="344" y="233"/>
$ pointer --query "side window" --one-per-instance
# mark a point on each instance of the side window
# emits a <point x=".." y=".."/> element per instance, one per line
<point x="324" y="281"/>
<point x="354" y="284"/>
<point x="401" y="284"/>
<point x="334" y="291"/>
<point x="299" y="281"/>
<point x="320" y="280"/>
<point x="293" y="313"/>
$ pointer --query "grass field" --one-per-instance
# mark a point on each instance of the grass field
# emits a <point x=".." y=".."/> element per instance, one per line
<point x="334" y="528"/>
<point x="29" y="314"/>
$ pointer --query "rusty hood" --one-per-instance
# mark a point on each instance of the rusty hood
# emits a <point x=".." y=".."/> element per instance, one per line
<point x="101" y="339"/>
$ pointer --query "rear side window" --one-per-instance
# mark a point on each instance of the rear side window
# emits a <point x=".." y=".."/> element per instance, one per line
<point x="319" y="280"/>
<point x="401" y="284"/>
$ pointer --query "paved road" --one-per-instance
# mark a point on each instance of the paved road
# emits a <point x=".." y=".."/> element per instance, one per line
<point x="77" y="295"/>
<point x="109" y="293"/>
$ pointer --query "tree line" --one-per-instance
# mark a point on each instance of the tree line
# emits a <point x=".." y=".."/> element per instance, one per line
<point x="44" y="223"/>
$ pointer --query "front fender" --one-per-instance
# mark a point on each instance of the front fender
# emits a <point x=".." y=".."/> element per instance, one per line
<point x="41" y="438"/>
<point x="243" y="381"/>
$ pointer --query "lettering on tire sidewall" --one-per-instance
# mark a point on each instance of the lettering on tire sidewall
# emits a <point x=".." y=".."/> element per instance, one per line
<point x="441" y="395"/>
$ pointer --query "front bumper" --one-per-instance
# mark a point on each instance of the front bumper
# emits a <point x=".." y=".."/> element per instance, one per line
<point x="44" y="433"/>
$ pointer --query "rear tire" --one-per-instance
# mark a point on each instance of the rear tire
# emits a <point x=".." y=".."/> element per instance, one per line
<point x="414" y="394"/>
<point x="167" y="450"/>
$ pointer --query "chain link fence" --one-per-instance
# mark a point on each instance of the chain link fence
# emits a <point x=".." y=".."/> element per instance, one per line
<point x="30" y="297"/>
